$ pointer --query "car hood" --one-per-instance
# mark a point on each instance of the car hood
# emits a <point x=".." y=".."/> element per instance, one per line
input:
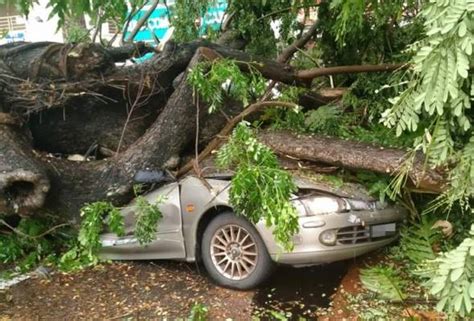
<point x="308" y="181"/>
<point x="327" y="184"/>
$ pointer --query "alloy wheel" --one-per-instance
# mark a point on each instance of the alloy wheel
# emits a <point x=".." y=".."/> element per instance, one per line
<point x="234" y="252"/>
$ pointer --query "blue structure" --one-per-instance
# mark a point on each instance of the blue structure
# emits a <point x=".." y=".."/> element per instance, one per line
<point x="159" y="24"/>
<point x="14" y="36"/>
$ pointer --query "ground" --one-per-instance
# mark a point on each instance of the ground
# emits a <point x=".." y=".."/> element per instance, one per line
<point x="159" y="289"/>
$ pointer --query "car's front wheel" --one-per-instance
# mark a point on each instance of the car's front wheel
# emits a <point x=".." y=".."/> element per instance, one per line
<point x="234" y="253"/>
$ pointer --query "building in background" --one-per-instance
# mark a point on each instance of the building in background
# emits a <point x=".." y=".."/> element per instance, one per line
<point x="36" y="27"/>
<point x="12" y="25"/>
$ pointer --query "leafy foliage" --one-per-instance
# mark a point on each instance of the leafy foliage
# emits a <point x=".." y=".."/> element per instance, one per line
<point x="384" y="281"/>
<point x="260" y="189"/>
<point x="32" y="242"/>
<point x="438" y="93"/>
<point x="416" y="242"/>
<point x="97" y="10"/>
<point x="335" y="121"/>
<point x="85" y="252"/>
<point x="451" y="278"/>
<point x="76" y="33"/>
<point x="356" y="117"/>
<point x="96" y="217"/>
<point x="356" y="31"/>
<point x="376" y="184"/>
<point x="253" y="19"/>
<point x="184" y="14"/>
<point x="147" y="217"/>
<point x="223" y="78"/>
<point x="324" y="119"/>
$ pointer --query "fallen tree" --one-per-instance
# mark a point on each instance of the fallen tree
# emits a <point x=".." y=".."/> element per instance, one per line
<point x="353" y="155"/>
<point x="75" y="100"/>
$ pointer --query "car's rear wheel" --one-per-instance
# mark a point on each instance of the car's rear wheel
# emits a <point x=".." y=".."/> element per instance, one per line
<point x="234" y="254"/>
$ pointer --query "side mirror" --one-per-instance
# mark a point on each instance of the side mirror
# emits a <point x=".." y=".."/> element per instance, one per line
<point x="152" y="177"/>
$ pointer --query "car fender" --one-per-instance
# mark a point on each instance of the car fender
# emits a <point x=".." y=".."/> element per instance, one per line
<point x="200" y="197"/>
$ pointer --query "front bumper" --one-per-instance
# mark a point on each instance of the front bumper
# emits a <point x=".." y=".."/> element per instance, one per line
<point x="309" y="250"/>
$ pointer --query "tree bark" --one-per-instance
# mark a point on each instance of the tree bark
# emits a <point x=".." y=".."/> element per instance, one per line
<point x="171" y="136"/>
<point x="328" y="71"/>
<point x="288" y="52"/>
<point x="315" y="99"/>
<point x="53" y="61"/>
<point x="352" y="155"/>
<point x="23" y="180"/>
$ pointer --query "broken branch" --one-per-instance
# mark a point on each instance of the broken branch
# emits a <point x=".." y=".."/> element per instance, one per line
<point x="352" y="155"/>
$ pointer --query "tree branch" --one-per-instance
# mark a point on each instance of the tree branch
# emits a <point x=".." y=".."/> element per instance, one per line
<point x="309" y="74"/>
<point x="17" y="231"/>
<point x="289" y="51"/>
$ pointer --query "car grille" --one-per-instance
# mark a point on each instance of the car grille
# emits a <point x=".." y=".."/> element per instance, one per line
<point x="359" y="234"/>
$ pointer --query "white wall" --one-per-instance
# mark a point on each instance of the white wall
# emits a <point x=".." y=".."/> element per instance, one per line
<point x="39" y="28"/>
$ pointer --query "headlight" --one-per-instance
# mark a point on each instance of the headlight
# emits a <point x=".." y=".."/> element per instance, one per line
<point x="317" y="205"/>
<point x="328" y="237"/>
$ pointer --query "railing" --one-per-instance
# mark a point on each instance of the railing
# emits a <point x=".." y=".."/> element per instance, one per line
<point x="11" y="23"/>
<point x="112" y="27"/>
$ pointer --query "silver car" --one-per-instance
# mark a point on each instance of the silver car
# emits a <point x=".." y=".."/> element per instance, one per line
<point x="199" y="224"/>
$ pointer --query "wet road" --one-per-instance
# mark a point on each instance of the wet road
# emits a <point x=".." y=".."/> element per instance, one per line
<point x="294" y="292"/>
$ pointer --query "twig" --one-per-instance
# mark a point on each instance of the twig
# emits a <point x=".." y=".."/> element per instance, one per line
<point x="134" y="106"/>
<point x="16" y="231"/>
<point x="215" y="142"/>
<point x="112" y="40"/>
<point x="98" y="25"/>
<point x="133" y="11"/>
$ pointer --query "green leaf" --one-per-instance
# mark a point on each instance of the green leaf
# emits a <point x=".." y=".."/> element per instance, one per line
<point x="456" y="274"/>
<point x="438" y="287"/>
<point x="458" y="302"/>
<point x="441" y="304"/>
<point x="147" y="217"/>
<point x="462" y="29"/>
<point x="467" y="300"/>
<point x="384" y="281"/>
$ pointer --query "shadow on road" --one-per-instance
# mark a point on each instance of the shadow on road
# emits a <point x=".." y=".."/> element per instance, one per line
<point x="293" y="292"/>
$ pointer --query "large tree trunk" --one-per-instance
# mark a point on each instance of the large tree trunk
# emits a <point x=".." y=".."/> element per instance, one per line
<point x="24" y="183"/>
<point x="352" y="155"/>
<point x="171" y="136"/>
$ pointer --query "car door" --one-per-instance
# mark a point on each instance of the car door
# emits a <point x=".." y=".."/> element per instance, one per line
<point x="169" y="242"/>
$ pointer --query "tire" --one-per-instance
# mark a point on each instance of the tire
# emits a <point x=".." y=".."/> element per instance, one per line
<point x="234" y="254"/>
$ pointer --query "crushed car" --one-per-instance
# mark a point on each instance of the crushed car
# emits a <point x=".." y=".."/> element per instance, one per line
<point x="199" y="224"/>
